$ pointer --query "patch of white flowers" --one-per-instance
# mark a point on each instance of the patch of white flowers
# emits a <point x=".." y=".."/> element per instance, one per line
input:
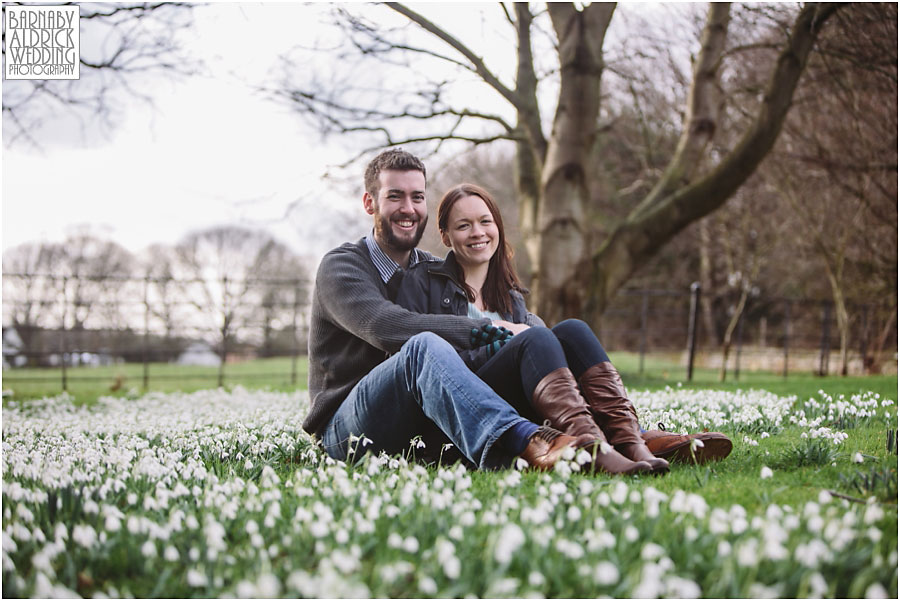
<point x="221" y="493"/>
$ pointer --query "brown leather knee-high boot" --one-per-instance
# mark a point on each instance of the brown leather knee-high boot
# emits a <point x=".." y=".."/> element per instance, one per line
<point x="557" y="399"/>
<point x="608" y="401"/>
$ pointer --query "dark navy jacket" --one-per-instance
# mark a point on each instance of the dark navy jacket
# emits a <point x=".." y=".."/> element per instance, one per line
<point x="432" y="287"/>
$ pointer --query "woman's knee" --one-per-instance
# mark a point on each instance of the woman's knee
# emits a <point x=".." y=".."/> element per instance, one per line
<point x="538" y="335"/>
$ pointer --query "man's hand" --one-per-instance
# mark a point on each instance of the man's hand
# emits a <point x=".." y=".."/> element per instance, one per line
<point x="515" y="328"/>
<point x="490" y="336"/>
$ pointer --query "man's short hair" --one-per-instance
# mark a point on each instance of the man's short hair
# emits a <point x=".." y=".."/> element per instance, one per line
<point x="394" y="159"/>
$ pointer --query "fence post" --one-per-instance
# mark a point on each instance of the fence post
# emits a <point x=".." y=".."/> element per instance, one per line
<point x="692" y="328"/>
<point x="740" y="344"/>
<point x="826" y="338"/>
<point x="225" y="308"/>
<point x="864" y="339"/>
<point x="645" y="302"/>
<point x="146" y="350"/>
<point x="62" y="334"/>
<point x="296" y="350"/>
<point x="787" y="334"/>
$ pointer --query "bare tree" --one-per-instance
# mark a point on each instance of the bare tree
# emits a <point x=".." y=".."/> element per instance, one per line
<point x="124" y="46"/>
<point x="226" y="274"/>
<point x="837" y="164"/>
<point x="31" y="293"/>
<point x="570" y="275"/>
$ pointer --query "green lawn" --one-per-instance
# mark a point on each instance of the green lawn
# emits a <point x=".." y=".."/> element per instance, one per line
<point x="219" y="493"/>
<point x="88" y="383"/>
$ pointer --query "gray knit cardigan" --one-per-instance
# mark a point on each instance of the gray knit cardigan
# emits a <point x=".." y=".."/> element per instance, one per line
<point x="354" y="327"/>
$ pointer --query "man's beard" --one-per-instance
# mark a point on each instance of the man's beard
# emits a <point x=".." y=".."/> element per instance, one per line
<point x="384" y="232"/>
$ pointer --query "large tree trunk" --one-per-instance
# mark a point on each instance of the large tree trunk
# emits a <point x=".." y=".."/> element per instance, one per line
<point x="560" y="237"/>
<point x="668" y="211"/>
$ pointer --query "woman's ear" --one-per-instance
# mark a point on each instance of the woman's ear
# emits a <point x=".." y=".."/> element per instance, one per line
<point x="445" y="238"/>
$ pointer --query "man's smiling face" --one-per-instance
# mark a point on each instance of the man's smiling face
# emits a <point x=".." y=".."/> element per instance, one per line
<point x="400" y="212"/>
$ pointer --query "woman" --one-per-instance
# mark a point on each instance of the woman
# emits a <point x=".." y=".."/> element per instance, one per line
<point x="542" y="372"/>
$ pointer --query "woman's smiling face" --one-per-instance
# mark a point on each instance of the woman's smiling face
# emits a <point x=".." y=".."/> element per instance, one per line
<point x="471" y="232"/>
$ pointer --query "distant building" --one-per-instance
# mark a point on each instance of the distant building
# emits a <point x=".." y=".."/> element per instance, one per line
<point x="199" y="353"/>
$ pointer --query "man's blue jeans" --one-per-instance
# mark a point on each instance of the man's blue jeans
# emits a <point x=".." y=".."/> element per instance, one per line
<point x="426" y="384"/>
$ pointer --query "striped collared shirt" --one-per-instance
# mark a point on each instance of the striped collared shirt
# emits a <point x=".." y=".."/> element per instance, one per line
<point x="385" y="265"/>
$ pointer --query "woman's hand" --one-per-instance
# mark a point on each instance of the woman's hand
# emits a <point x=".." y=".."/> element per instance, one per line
<point x="515" y="328"/>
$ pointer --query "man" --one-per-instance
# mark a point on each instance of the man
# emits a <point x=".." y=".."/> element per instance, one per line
<point x="381" y="375"/>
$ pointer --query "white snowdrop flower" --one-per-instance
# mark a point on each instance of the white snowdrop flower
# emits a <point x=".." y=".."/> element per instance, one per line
<point x="724" y="548"/>
<point x="764" y="435"/>
<point x="521" y="464"/>
<point x="195" y="578"/>
<point x="563" y="468"/>
<point x="318" y="529"/>
<point x="619" y="493"/>
<point x="509" y="540"/>
<point x="573" y="514"/>
<point x="455" y="532"/>
<point x="652" y="551"/>
<point x="606" y="573"/>
<point x="191" y="522"/>
<point x="605" y="447"/>
<point x="691" y="534"/>
<point x="427" y="585"/>
<point x="112" y="523"/>
<point x="245" y="590"/>
<point x="252" y="527"/>
<point x="761" y="591"/>
<point x="536" y="579"/>
<point x="342" y="537"/>
<point x="9" y="545"/>
<point x="194" y="554"/>
<point x="857" y="457"/>
<point x="411" y="544"/>
<point x="682" y="588"/>
<point x="817" y="586"/>
<point x="582" y="457"/>
<point x="696" y="443"/>
<point x="765" y="472"/>
<point x="84" y="535"/>
<point x="874" y="534"/>
<point x="148" y="549"/>
<point x="171" y="554"/>
<point x="824" y="497"/>
<point x="631" y="533"/>
<point x="132" y="498"/>
<point x="395" y="541"/>
<point x="873" y="513"/>
<point x="504" y="587"/>
<point x="267" y="586"/>
<point x="747" y="553"/>
<point x="876" y="591"/>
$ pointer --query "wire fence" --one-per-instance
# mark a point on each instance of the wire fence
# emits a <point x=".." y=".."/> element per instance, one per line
<point x="207" y="327"/>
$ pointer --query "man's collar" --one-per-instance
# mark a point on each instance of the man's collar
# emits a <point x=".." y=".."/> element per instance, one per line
<point x="385" y="265"/>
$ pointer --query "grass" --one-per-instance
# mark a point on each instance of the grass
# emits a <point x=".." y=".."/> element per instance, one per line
<point x="87" y="383"/>
<point x="279" y="518"/>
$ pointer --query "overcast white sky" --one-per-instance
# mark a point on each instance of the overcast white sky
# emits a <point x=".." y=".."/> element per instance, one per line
<point x="210" y="152"/>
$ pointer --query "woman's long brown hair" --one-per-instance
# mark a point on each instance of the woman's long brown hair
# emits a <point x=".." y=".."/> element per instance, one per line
<point x="501" y="275"/>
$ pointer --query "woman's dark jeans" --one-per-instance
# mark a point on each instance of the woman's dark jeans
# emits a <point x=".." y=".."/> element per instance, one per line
<point x="516" y="369"/>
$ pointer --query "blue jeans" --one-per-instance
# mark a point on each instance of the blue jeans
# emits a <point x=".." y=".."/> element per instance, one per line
<point x="423" y="389"/>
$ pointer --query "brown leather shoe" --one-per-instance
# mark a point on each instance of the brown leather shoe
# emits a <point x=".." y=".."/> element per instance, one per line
<point x="677" y="447"/>
<point x="611" y="409"/>
<point x="557" y="399"/>
<point x="545" y="448"/>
